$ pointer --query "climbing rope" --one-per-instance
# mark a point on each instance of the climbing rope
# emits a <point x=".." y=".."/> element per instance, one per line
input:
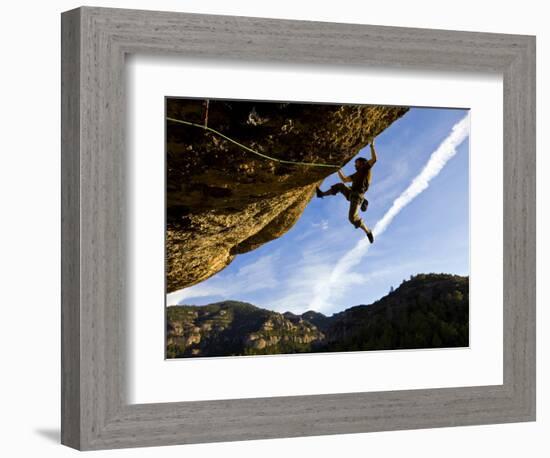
<point x="250" y="150"/>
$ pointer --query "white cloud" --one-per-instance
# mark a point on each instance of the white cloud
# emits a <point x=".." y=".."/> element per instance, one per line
<point x="313" y="230"/>
<point x="260" y="274"/>
<point x="314" y="261"/>
<point x="323" y="224"/>
<point x="388" y="186"/>
<point x="339" y="278"/>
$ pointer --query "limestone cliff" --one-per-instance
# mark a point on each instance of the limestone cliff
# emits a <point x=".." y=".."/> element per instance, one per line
<point x="235" y="328"/>
<point x="223" y="201"/>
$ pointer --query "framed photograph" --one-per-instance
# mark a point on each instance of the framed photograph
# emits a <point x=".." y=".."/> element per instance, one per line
<point x="225" y="201"/>
<point x="279" y="228"/>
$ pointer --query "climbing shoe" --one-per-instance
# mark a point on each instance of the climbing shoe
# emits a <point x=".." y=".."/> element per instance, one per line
<point x="364" y="205"/>
<point x="319" y="193"/>
<point x="370" y="236"/>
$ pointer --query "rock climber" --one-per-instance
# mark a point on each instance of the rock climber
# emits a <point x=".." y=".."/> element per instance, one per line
<point x="360" y="182"/>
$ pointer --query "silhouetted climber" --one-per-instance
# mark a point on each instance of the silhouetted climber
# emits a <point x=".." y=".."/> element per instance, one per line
<point x="360" y="182"/>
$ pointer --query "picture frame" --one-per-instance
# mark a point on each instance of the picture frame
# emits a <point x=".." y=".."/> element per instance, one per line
<point x="95" y="411"/>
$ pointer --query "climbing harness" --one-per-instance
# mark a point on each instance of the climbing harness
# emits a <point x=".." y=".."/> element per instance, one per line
<point x="246" y="148"/>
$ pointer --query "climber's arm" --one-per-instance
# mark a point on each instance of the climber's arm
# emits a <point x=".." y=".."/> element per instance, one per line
<point x="372" y="154"/>
<point x="343" y="177"/>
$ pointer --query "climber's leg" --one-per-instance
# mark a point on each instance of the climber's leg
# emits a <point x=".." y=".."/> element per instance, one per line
<point x="333" y="190"/>
<point x="367" y="231"/>
<point x="354" y="217"/>
<point x="353" y="214"/>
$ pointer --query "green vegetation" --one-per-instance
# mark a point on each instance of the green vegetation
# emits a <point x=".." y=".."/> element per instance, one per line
<point x="427" y="311"/>
<point x="234" y="328"/>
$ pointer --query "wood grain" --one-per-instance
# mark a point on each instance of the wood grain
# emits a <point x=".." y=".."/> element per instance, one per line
<point x="70" y="229"/>
<point x="95" y="412"/>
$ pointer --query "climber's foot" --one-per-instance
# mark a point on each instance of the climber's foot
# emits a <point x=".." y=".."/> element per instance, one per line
<point x="370" y="236"/>
<point x="318" y="192"/>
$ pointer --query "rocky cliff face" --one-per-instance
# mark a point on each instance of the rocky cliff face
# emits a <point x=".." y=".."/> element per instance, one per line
<point x="427" y="311"/>
<point x="235" y="328"/>
<point x="223" y="201"/>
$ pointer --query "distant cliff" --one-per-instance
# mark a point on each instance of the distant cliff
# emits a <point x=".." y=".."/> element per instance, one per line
<point x="236" y="328"/>
<point x="426" y="311"/>
<point x="222" y="201"/>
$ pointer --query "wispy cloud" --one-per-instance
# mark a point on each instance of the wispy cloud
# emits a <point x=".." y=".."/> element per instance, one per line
<point x="261" y="274"/>
<point x="387" y="187"/>
<point x="341" y="274"/>
<point x="323" y="224"/>
<point x="313" y="230"/>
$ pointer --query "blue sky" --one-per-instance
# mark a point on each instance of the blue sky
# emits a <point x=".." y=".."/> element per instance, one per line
<point x="303" y="269"/>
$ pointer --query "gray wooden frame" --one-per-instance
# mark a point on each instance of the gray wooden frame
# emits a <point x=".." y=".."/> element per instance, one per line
<point x="95" y="413"/>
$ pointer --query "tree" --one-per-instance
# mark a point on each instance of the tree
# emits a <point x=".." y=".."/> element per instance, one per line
<point x="458" y="296"/>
